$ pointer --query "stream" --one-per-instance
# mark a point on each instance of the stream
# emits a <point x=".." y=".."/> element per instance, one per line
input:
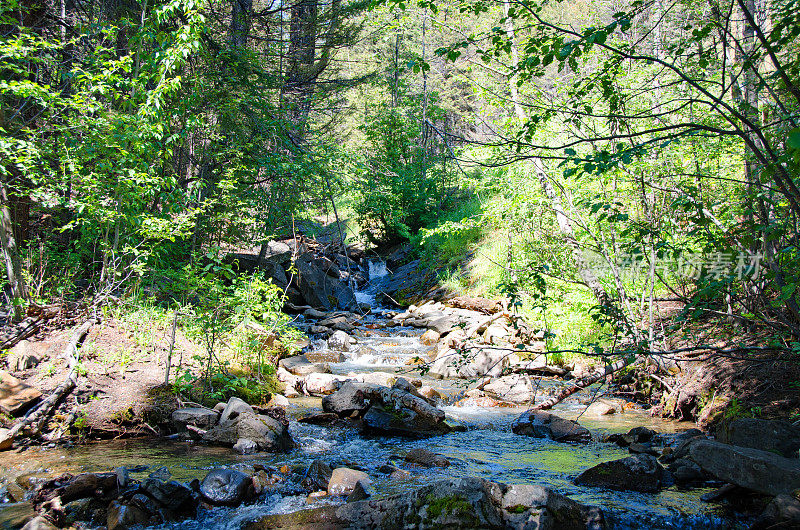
<point x="487" y="449"/>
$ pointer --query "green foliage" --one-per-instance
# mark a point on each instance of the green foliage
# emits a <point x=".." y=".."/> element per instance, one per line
<point x="399" y="184"/>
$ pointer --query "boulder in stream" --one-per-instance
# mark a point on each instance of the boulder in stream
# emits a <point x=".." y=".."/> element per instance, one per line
<point x="197" y="416"/>
<point x="753" y="469"/>
<point x="539" y="424"/>
<point x="320" y="290"/>
<point x="386" y="411"/>
<point x="776" y="436"/>
<point x="299" y="365"/>
<point x="226" y="487"/>
<point x="423" y="457"/>
<point x="516" y="388"/>
<point x="317" y="477"/>
<point x="339" y="341"/>
<point x="468" y="364"/>
<point x="343" y="480"/>
<point x="268" y="433"/>
<point x="639" y="472"/>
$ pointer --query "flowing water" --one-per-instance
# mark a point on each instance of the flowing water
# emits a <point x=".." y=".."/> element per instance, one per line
<point x="487" y="449"/>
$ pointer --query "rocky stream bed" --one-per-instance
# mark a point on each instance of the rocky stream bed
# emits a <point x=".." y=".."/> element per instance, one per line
<point x="365" y="437"/>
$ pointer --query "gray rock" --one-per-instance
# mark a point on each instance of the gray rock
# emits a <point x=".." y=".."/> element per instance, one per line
<point x="425" y="458"/>
<point x="122" y="516"/>
<point x="42" y="523"/>
<point x="539" y="424"/>
<point x="299" y="365"/>
<point x="320" y="290"/>
<point x="752" y="469"/>
<point x="685" y="471"/>
<point x="640" y="472"/>
<point x="171" y="495"/>
<point x="243" y="446"/>
<point x="776" y="436"/>
<point x="361" y="491"/>
<point x="349" y="399"/>
<point x="516" y="388"/>
<point x="277" y="252"/>
<point x="485" y="362"/>
<point x="339" y="341"/>
<point x="783" y="512"/>
<point x="233" y="409"/>
<point x="22" y="356"/>
<point x="317" y="476"/>
<point x="343" y="480"/>
<point x="199" y="417"/>
<point x="161" y="473"/>
<point x="226" y="486"/>
<point x="268" y="433"/>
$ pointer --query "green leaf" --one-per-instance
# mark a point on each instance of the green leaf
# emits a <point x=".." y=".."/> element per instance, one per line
<point x="793" y="138"/>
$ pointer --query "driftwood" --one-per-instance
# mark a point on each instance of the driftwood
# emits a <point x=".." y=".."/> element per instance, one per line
<point x="582" y="383"/>
<point x="38" y="415"/>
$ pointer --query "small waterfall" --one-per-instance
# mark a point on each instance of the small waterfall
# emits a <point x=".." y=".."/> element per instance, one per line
<point x="376" y="272"/>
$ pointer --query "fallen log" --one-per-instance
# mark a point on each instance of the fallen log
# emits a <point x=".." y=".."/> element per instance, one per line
<point x="38" y="415"/>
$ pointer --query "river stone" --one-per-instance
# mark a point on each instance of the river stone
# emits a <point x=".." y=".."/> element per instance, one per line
<point x="640" y="472"/>
<point x="516" y="388"/>
<point x="348" y="399"/>
<point x="539" y="424"/>
<point x="318" y="476"/>
<point x="600" y="408"/>
<point x="268" y="433"/>
<point x="390" y="421"/>
<point x="776" y="436"/>
<point x="361" y="491"/>
<point x="226" y="486"/>
<point x="197" y="416"/>
<point x="170" y="494"/>
<point x="233" y="409"/>
<point x="430" y="337"/>
<point x="339" y="341"/>
<point x="425" y="458"/>
<point x="323" y="384"/>
<point x="243" y="446"/>
<point x="343" y="480"/>
<point x="469" y="364"/>
<point x="782" y="512"/>
<point x="376" y="378"/>
<point x="300" y="365"/>
<point x="752" y="469"/>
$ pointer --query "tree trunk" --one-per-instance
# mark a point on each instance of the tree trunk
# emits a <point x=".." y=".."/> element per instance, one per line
<point x="11" y="255"/>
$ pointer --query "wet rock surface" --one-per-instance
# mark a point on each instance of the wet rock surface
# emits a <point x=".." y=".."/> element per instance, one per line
<point x="637" y="473"/>
<point x="540" y="424"/>
<point x="459" y="503"/>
